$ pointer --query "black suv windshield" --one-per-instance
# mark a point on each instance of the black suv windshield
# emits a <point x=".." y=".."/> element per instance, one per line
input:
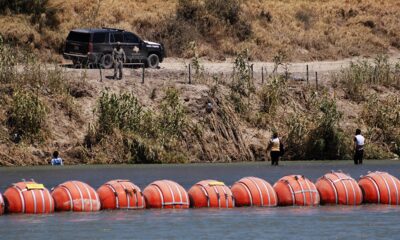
<point x="130" y="38"/>
<point x="78" y="37"/>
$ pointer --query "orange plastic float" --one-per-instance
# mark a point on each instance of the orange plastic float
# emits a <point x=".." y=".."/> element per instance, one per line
<point x="296" y="190"/>
<point x="211" y="193"/>
<point x="165" y="194"/>
<point x="381" y="188"/>
<point x="120" y="194"/>
<point x="339" y="188"/>
<point x="253" y="191"/>
<point x="1" y="205"/>
<point x="28" y="197"/>
<point x="75" y="196"/>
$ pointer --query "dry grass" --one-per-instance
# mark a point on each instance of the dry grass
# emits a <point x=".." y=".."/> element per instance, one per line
<point x="305" y="30"/>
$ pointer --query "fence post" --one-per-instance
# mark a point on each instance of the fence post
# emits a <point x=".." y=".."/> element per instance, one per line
<point x="308" y="75"/>
<point x="262" y="75"/>
<point x="316" y="80"/>
<point x="190" y="75"/>
<point x="252" y="70"/>
<point x="142" y="73"/>
<point x="101" y="75"/>
<point x="388" y="76"/>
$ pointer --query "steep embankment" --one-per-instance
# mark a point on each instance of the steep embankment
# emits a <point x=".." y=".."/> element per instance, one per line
<point x="303" y="30"/>
<point x="166" y="120"/>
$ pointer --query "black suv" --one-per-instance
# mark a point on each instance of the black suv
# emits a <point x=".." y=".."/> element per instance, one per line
<point x="95" y="46"/>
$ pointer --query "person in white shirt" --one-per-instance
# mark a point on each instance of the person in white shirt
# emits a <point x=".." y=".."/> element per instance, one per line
<point x="274" y="147"/>
<point x="56" y="160"/>
<point x="359" y="142"/>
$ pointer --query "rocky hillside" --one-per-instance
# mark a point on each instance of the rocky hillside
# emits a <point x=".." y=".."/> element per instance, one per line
<point x="303" y="30"/>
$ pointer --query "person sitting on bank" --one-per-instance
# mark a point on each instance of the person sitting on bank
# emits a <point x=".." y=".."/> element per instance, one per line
<point x="274" y="147"/>
<point x="56" y="160"/>
<point x="119" y="58"/>
<point x="359" y="142"/>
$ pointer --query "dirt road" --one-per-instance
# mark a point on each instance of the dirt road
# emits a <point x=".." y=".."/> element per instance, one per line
<point x="175" y="64"/>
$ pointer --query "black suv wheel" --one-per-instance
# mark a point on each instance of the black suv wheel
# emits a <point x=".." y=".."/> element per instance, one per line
<point x="153" y="61"/>
<point x="107" y="61"/>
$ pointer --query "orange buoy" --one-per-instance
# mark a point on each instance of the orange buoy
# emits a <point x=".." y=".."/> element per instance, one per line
<point x="75" y="196"/>
<point x="1" y="205"/>
<point x="339" y="188"/>
<point x="211" y="193"/>
<point x="381" y="188"/>
<point x="165" y="194"/>
<point x="120" y="194"/>
<point x="28" y="197"/>
<point x="253" y="191"/>
<point x="296" y="190"/>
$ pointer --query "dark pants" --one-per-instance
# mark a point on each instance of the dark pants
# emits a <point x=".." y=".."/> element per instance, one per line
<point x="275" y="158"/>
<point x="118" y="65"/>
<point x="358" y="156"/>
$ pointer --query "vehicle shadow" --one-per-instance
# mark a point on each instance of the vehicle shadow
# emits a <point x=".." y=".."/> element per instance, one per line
<point x="81" y="66"/>
<point x="97" y="66"/>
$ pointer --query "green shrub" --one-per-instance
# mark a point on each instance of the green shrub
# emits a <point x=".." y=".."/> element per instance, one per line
<point x="271" y="95"/>
<point x="382" y="117"/>
<point x="356" y="77"/>
<point x="226" y="10"/>
<point x="189" y="10"/>
<point x="326" y="140"/>
<point x="121" y="112"/>
<point x="242" y="85"/>
<point x="27" y="114"/>
<point x="298" y="127"/>
<point x="172" y="118"/>
<point x="149" y="137"/>
<point x="8" y="63"/>
<point x="305" y="15"/>
<point x="35" y="8"/>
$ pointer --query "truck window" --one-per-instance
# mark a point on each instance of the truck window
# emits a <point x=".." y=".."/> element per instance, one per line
<point x="130" y="38"/>
<point x="117" y="37"/>
<point x="78" y="36"/>
<point x="100" y="37"/>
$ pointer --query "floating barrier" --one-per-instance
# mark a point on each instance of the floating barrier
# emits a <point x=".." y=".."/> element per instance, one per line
<point x="28" y="197"/>
<point x="165" y="194"/>
<point x="296" y="190"/>
<point x="339" y="188"/>
<point x="121" y="194"/>
<point x="253" y="191"/>
<point x="380" y="188"/>
<point x="211" y="193"/>
<point x="1" y="204"/>
<point x="75" y="196"/>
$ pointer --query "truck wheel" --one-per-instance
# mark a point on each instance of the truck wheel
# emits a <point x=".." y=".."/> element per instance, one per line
<point x="153" y="61"/>
<point x="107" y="61"/>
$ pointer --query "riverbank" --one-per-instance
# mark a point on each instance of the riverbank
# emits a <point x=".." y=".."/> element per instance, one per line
<point x="92" y="119"/>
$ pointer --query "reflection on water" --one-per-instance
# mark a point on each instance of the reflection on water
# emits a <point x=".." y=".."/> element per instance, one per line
<point x="324" y="222"/>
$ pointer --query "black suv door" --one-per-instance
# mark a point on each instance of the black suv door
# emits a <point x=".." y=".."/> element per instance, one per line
<point x="133" y="47"/>
<point x="117" y="37"/>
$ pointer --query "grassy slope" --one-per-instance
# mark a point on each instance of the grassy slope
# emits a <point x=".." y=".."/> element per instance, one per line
<point x="303" y="29"/>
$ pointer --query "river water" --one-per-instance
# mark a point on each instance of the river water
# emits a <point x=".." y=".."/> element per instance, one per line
<point x="324" y="222"/>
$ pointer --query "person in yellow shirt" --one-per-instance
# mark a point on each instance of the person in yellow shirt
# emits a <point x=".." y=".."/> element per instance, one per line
<point x="274" y="147"/>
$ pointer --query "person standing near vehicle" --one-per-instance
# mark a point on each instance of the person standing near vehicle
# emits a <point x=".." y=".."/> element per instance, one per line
<point x="119" y="58"/>
<point x="359" y="142"/>
<point x="274" y="147"/>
